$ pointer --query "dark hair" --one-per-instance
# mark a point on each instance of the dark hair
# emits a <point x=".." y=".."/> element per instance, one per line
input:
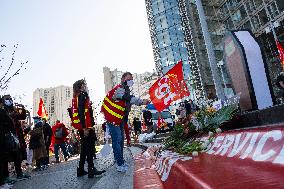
<point x="125" y="74"/>
<point x="77" y="86"/>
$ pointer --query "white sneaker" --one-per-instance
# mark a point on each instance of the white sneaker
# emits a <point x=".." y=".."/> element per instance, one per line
<point x="6" y="186"/>
<point x="125" y="165"/>
<point x="121" y="168"/>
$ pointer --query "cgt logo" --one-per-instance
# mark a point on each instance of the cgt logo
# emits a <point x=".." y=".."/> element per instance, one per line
<point x="164" y="90"/>
<point x="165" y="162"/>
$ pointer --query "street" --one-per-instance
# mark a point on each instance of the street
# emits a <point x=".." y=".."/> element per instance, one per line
<point x="63" y="175"/>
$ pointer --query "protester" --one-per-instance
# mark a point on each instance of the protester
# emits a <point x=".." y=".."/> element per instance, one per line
<point x="137" y="128"/>
<point x="116" y="108"/>
<point x="16" y="155"/>
<point x="104" y="125"/>
<point x="147" y="116"/>
<point x="187" y="107"/>
<point x="82" y="119"/>
<point x="47" y="133"/>
<point x="59" y="134"/>
<point x="6" y="128"/>
<point x="127" y="127"/>
<point x="73" y="143"/>
<point x="193" y="106"/>
<point x="181" y="111"/>
<point x="38" y="146"/>
<point x="280" y="84"/>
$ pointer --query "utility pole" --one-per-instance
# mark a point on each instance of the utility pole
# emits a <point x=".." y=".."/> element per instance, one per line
<point x="210" y="51"/>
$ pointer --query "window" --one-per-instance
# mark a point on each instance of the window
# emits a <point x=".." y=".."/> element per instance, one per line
<point x="272" y="8"/>
<point x="224" y="11"/>
<point x="258" y="3"/>
<point x="229" y="24"/>
<point x="263" y="17"/>
<point x="250" y="6"/>
<point x="239" y="15"/>
<point x="280" y="5"/>
<point x="247" y="26"/>
<point x="255" y="22"/>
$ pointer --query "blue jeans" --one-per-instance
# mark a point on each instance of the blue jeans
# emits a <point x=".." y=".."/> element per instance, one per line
<point x="117" y="137"/>
<point x="63" y="148"/>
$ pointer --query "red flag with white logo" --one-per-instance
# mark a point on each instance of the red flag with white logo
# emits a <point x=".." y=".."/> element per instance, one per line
<point x="169" y="88"/>
<point x="41" y="110"/>
<point x="281" y="53"/>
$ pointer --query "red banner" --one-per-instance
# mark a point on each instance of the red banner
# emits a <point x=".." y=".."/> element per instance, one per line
<point x="238" y="159"/>
<point x="248" y="158"/>
<point x="169" y="88"/>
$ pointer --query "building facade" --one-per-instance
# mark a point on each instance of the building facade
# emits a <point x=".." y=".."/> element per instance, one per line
<point x="222" y="16"/>
<point x="56" y="101"/>
<point x="258" y="16"/>
<point x="172" y="40"/>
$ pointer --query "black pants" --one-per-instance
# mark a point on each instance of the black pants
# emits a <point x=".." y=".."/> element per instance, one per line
<point x="2" y="172"/>
<point x="87" y="149"/>
<point x="17" y="159"/>
<point x="46" y="159"/>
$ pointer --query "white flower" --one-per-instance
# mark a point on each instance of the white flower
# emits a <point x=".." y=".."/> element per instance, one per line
<point x="204" y="146"/>
<point x="195" y="122"/>
<point x="218" y="130"/>
<point x="194" y="153"/>
<point x="207" y="142"/>
<point x="210" y="134"/>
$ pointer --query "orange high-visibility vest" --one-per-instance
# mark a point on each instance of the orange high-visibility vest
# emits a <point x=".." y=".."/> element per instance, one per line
<point x="75" y="116"/>
<point x="113" y="110"/>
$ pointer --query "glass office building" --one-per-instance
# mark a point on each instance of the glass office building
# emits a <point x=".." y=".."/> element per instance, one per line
<point x="168" y="36"/>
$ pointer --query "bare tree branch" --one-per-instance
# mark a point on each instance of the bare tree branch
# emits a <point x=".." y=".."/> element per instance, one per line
<point x="12" y="62"/>
<point x="3" y="81"/>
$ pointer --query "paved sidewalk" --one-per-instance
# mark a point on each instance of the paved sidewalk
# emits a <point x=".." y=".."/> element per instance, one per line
<point x="63" y="175"/>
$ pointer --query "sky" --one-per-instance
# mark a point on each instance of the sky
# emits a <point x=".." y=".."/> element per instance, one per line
<point x="67" y="40"/>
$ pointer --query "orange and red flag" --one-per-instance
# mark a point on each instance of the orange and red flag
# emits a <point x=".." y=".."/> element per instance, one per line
<point x="169" y="88"/>
<point x="41" y="110"/>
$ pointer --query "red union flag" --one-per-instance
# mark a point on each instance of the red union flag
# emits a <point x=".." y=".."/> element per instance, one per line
<point x="169" y="88"/>
<point x="281" y="53"/>
<point x="41" y="110"/>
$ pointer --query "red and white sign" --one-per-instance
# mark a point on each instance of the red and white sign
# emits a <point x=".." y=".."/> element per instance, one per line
<point x="169" y="88"/>
<point x="248" y="158"/>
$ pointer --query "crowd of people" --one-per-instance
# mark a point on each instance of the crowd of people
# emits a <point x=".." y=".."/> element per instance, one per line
<point x="26" y="146"/>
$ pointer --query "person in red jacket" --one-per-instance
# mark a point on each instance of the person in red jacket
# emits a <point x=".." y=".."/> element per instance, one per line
<point x="59" y="135"/>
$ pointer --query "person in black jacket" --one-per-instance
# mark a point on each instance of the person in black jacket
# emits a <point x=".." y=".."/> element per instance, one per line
<point x="10" y="126"/>
<point x="6" y="126"/>
<point x="87" y="135"/>
<point x="147" y="115"/>
<point x="280" y="84"/>
<point x="47" y="133"/>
